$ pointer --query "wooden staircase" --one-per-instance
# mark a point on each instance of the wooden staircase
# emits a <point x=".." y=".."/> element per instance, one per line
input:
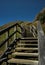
<point x="26" y="52"/>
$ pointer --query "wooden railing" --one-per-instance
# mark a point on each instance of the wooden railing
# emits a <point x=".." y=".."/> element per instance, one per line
<point x="33" y="30"/>
<point x="9" y="45"/>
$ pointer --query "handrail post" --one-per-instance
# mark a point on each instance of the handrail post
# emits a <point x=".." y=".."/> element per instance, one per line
<point x="7" y="44"/>
<point x="14" y="36"/>
<point x="16" y="31"/>
<point x="8" y="36"/>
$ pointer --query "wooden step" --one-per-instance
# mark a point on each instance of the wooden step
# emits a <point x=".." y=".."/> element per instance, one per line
<point x="23" y="61"/>
<point x="27" y="46"/>
<point x="24" y="54"/>
<point x="35" y="38"/>
<point x="33" y="43"/>
<point x="21" y="44"/>
<point x="28" y="41"/>
<point x="20" y="48"/>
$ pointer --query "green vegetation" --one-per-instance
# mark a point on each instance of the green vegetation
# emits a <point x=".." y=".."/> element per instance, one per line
<point x="41" y="18"/>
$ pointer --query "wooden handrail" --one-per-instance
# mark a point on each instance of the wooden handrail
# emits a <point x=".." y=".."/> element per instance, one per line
<point x="33" y="30"/>
<point x="8" y="28"/>
<point x="10" y="46"/>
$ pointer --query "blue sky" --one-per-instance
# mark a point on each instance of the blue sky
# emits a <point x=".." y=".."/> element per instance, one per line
<point x="11" y="10"/>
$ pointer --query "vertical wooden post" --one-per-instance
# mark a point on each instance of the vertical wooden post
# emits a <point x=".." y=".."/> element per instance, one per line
<point x="7" y="45"/>
<point x="16" y="31"/>
<point x="14" y="37"/>
<point x="8" y="36"/>
<point x="14" y="34"/>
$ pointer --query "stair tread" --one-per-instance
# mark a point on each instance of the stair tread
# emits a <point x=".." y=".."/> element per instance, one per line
<point x="29" y="41"/>
<point x="27" y="44"/>
<point x="21" y="48"/>
<point x="30" y="38"/>
<point x="23" y="61"/>
<point x="25" y="54"/>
